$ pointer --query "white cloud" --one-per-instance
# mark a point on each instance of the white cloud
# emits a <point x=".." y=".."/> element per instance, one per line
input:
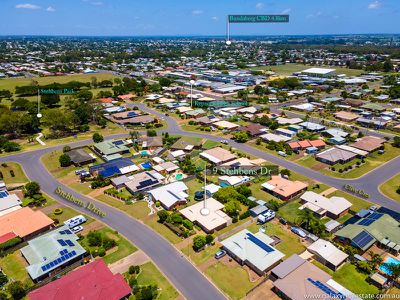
<point x="50" y="9"/>
<point x="97" y="3"/>
<point x="214" y="18"/>
<point x="317" y="14"/>
<point x="260" y="5"/>
<point x="374" y="5"/>
<point x="197" y="12"/>
<point x="286" y="11"/>
<point x="27" y="6"/>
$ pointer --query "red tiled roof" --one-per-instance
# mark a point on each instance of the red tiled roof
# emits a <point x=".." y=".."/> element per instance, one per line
<point x="318" y="143"/>
<point x="105" y="100"/>
<point x="294" y="145"/>
<point x="91" y="282"/>
<point x="6" y="237"/>
<point x="304" y="144"/>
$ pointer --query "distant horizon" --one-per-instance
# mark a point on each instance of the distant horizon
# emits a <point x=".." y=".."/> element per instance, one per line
<point x="198" y="35"/>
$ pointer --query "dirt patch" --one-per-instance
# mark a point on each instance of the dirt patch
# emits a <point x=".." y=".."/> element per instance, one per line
<point x="95" y="225"/>
<point x="208" y="263"/>
<point x="318" y="166"/>
<point x="49" y="209"/>
<point x="328" y="191"/>
<point x="264" y="291"/>
<point x="98" y="192"/>
<point x="136" y="258"/>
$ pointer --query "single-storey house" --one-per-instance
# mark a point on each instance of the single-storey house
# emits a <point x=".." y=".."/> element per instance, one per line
<point x="333" y="207"/>
<point x="284" y="189"/>
<point x="327" y="254"/>
<point x="217" y="155"/>
<point x="335" y="155"/>
<point x="170" y="195"/>
<point x="80" y="157"/>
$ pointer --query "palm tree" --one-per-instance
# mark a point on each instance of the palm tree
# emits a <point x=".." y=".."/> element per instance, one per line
<point x="376" y="259"/>
<point x="305" y="218"/>
<point x="393" y="270"/>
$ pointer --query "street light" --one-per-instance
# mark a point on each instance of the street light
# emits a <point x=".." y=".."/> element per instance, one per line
<point x="191" y="92"/>
<point x="39" y="115"/>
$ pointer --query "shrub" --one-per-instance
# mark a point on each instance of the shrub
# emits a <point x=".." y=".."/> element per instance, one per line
<point x="209" y="238"/>
<point x="132" y="282"/>
<point x="97" y="137"/>
<point x="12" y="173"/>
<point x="398" y="190"/>
<point x="57" y="211"/>
<point x="158" y="204"/>
<point x="16" y="289"/>
<point x="66" y="149"/>
<point x="3" y="279"/>
<point x="31" y="188"/>
<point x="244" y="215"/>
<point x="10" y="243"/>
<point x="199" y="242"/>
<point x="102" y="252"/>
<point x="134" y="269"/>
<point x="108" y="243"/>
<point x="176" y="218"/>
<point x="187" y="224"/>
<point x="94" y="238"/>
<point x="162" y="216"/>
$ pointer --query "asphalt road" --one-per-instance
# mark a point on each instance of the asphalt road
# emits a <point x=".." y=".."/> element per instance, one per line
<point x="189" y="281"/>
<point x="186" y="278"/>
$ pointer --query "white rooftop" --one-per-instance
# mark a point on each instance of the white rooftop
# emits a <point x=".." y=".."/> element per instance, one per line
<point x="328" y="251"/>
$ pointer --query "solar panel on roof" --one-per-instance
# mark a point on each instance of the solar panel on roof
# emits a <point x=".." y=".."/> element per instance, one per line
<point x="366" y="222"/>
<point x="326" y="289"/>
<point x="44" y="268"/>
<point x="375" y="216"/>
<point x="362" y="239"/>
<point x="62" y="242"/>
<point x="118" y="142"/>
<point x="259" y="243"/>
<point x="71" y="244"/>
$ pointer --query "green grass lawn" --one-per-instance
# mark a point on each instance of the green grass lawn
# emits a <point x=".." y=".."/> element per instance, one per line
<point x="290" y="242"/>
<point x="13" y="266"/>
<point x="290" y="211"/>
<point x="389" y="188"/>
<point x="138" y="210"/>
<point x="210" y="144"/>
<point x="353" y="280"/>
<point x="149" y="274"/>
<point x="19" y="175"/>
<point x="358" y="203"/>
<point x="163" y="230"/>
<point x="202" y="256"/>
<point x="123" y="248"/>
<point x="82" y="188"/>
<point x="50" y="161"/>
<point x="288" y="69"/>
<point x="68" y="213"/>
<point x="234" y="281"/>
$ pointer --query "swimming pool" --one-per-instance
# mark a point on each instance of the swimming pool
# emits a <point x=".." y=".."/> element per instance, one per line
<point x="389" y="260"/>
<point x="146" y="165"/>
<point x="179" y="176"/>
<point x="144" y="152"/>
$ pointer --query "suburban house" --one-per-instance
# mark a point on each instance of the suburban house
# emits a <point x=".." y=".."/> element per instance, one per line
<point x="226" y="180"/>
<point x="253" y="250"/>
<point x="313" y="127"/>
<point x="217" y="155"/>
<point x="186" y="144"/>
<point x="374" y="228"/>
<point x="80" y="157"/>
<point x="166" y="167"/>
<point x="144" y="181"/>
<point x="335" y="155"/>
<point x="170" y="195"/>
<point x="274" y="137"/>
<point x="8" y="202"/>
<point x="93" y="281"/>
<point x="110" y="147"/>
<point x="346" y="116"/>
<point x="216" y="219"/>
<point x="327" y="254"/>
<point x="306" y="144"/>
<point x="369" y="143"/>
<point x="52" y="251"/>
<point x="283" y="188"/>
<point x="151" y="142"/>
<point x="333" y="207"/>
<point x="25" y="223"/>
<point x="226" y="125"/>
<point x="114" y="167"/>
<point x="253" y="129"/>
<point x="285" y="132"/>
<point x="296" y="277"/>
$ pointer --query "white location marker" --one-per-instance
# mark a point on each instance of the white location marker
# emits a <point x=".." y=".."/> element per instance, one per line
<point x="39" y="115"/>
<point x="228" y="42"/>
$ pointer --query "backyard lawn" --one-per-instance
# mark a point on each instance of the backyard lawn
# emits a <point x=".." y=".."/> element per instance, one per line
<point x="13" y="266"/>
<point x="353" y="280"/>
<point x="389" y="188"/>
<point x="290" y="211"/>
<point x="19" y="176"/>
<point x="234" y="281"/>
<point x="138" y="209"/>
<point x="123" y="248"/>
<point x="149" y="274"/>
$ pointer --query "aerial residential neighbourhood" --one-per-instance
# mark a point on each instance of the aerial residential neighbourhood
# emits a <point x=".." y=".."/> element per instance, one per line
<point x="210" y="150"/>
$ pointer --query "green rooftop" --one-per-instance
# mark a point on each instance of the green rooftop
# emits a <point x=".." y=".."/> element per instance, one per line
<point x="373" y="106"/>
<point x="112" y="147"/>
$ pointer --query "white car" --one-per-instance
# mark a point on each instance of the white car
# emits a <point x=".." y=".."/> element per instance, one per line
<point x="77" y="229"/>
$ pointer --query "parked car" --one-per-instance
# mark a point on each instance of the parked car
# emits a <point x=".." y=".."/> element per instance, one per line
<point x="77" y="229"/>
<point x="299" y="232"/>
<point x="75" y="221"/>
<point x="224" y="142"/>
<point x="220" y="254"/>
<point x="266" y="216"/>
<point x="282" y="221"/>
<point x="373" y="208"/>
<point x="281" y="153"/>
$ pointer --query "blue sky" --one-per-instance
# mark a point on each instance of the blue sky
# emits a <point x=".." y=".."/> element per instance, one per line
<point x="204" y="17"/>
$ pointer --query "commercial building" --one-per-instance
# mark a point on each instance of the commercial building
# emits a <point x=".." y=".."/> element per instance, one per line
<point x="52" y="251"/>
<point x="253" y="250"/>
<point x="319" y="72"/>
<point x="216" y="219"/>
<point x="284" y="189"/>
<point x="333" y="207"/>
